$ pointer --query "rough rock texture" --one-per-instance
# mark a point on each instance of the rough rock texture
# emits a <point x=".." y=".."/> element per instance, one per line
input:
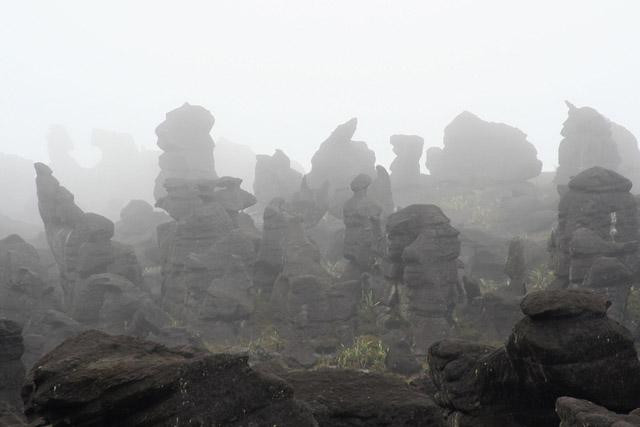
<point x="422" y="252"/>
<point x="564" y="346"/>
<point x="587" y="142"/>
<point x="573" y="349"/>
<point x="478" y="153"/>
<point x="338" y="160"/>
<point x="597" y="217"/>
<point x="208" y="255"/>
<point x="578" y="413"/>
<point x="80" y="242"/>
<point x="11" y="369"/>
<point x="95" y="379"/>
<point x="274" y="177"/>
<point x="363" y="239"/>
<point x="477" y="386"/>
<point x="314" y="313"/>
<point x="345" y="398"/>
<point x="187" y="146"/>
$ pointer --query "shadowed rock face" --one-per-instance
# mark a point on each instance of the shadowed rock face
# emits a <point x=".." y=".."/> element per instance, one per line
<point x="565" y="345"/>
<point x="422" y="250"/>
<point x="11" y="369"/>
<point x="188" y="147"/>
<point x="597" y="217"/>
<point x="338" y="160"/>
<point x="578" y="412"/>
<point x="274" y="177"/>
<point x="587" y="142"/>
<point x="340" y="397"/>
<point x="363" y="240"/>
<point x="80" y="242"/>
<point x="627" y="146"/>
<point x="478" y="153"/>
<point x="95" y="379"/>
<point x="405" y="168"/>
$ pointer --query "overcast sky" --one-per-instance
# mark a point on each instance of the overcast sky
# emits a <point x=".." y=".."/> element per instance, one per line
<point x="283" y="74"/>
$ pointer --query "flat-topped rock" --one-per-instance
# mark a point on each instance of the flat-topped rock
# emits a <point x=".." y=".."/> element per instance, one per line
<point x="564" y="303"/>
<point x="600" y="180"/>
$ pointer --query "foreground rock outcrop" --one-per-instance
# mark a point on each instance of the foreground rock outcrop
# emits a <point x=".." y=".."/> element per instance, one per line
<point x="579" y="413"/>
<point x="565" y="346"/>
<point x="96" y="379"/>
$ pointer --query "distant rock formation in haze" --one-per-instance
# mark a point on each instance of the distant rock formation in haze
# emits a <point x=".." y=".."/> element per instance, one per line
<point x="187" y="146"/>
<point x="478" y="153"/>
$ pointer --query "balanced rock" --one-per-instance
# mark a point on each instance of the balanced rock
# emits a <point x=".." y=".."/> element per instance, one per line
<point x="363" y="240"/>
<point x="423" y="249"/>
<point x="187" y="146"/>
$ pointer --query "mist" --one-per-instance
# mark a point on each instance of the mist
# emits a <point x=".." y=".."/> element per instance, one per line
<point x="319" y="214"/>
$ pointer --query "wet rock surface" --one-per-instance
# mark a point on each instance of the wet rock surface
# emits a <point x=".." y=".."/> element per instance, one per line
<point x="343" y="398"/>
<point x="578" y="412"/>
<point x="566" y="345"/>
<point x="95" y="379"/>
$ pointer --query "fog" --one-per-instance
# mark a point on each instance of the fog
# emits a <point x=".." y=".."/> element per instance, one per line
<point x="282" y="74"/>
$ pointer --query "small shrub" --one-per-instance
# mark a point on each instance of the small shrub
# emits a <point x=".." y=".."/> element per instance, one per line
<point x="540" y="278"/>
<point x="367" y="352"/>
<point x="269" y="341"/>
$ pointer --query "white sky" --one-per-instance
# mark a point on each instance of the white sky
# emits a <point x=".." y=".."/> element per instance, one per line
<point x="283" y="74"/>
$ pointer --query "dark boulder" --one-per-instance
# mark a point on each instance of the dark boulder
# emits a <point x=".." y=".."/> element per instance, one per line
<point x="348" y="398"/>
<point x="96" y="379"/>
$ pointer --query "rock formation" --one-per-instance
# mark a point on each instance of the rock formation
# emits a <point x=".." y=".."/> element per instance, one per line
<point x="362" y="398"/>
<point x="338" y="160"/>
<point x="516" y="267"/>
<point x="565" y="345"/>
<point x="627" y="146"/>
<point x="587" y="142"/>
<point x="405" y="168"/>
<point x="422" y="251"/>
<point x="478" y="153"/>
<point x="188" y="147"/>
<point x="274" y="177"/>
<point x="137" y="227"/>
<point x="11" y="369"/>
<point x="314" y="312"/>
<point x="207" y="255"/>
<point x="597" y="217"/>
<point x="270" y="259"/>
<point x="363" y="239"/>
<point x="578" y="412"/>
<point x="80" y="242"/>
<point x="96" y="379"/>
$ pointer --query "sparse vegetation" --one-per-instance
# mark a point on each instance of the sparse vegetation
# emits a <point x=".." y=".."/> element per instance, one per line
<point x="540" y="278"/>
<point x="367" y="352"/>
<point x="269" y="341"/>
